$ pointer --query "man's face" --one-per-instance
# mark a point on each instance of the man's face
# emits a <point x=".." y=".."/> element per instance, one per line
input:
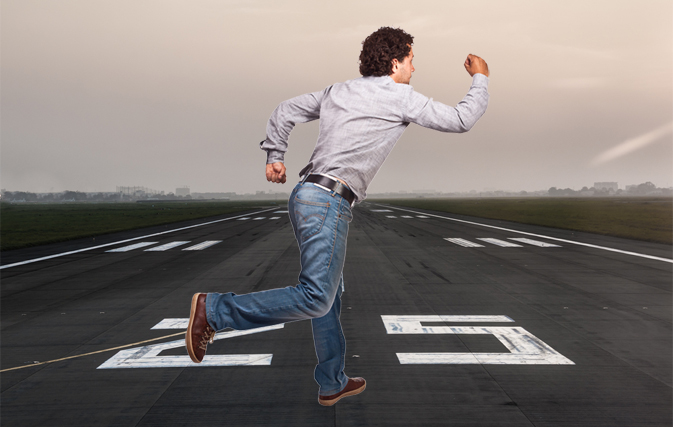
<point x="402" y="70"/>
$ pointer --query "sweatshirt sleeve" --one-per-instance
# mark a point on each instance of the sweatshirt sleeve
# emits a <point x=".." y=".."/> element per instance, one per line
<point x="431" y="114"/>
<point x="301" y="109"/>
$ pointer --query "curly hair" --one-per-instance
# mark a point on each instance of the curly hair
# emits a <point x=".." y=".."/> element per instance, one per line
<point x="381" y="47"/>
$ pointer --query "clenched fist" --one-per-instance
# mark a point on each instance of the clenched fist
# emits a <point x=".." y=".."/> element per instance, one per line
<point x="275" y="172"/>
<point x="474" y="64"/>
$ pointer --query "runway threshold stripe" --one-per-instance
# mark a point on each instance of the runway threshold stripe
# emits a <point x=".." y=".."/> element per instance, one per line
<point x="534" y="242"/>
<point x="572" y="242"/>
<point x="498" y="242"/>
<point x="132" y="247"/>
<point x="16" y="264"/>
<point x="166" y="246"/>
<point x="463" y="242"/>
<point x="203" y="245"/>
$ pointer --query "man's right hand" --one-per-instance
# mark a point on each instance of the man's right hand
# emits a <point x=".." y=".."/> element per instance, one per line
<point x="474" y="64"/>
<point x="275" y="172"/>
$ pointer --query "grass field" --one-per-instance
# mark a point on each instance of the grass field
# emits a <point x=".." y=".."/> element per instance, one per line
<point x="649" y="219"/>
<point x="23" y="225"/>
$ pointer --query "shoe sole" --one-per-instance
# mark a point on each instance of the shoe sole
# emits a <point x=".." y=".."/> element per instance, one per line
<point x="188" y="336"/>
<point x="349" y="393"/>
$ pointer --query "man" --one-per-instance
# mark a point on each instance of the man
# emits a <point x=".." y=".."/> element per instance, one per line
<point x="360" y="121"/>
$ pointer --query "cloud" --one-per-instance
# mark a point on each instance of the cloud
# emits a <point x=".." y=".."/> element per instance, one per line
<point x="633" y="144"/>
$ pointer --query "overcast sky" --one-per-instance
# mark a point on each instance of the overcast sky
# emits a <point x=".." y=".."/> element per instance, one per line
<point x="162" y="93"/>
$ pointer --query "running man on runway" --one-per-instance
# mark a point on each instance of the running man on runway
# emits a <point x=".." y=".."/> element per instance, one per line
<point x="360" y="122"/>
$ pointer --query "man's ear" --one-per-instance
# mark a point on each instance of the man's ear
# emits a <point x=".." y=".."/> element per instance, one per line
<point x="396" y="64"/>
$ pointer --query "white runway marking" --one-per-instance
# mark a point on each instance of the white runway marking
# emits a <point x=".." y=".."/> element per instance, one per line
<point x="243" y="219"/>
<point x="463" y="242"/>
<point x="407" y="216"/>
<point x="380" y="210"/>
<point x="280" y="212"/>
<point x="275" y="217"/>
<point x="258" y="218"/>
<point x="524" y="347"/>
<point x="15" y="264"/>
<point x="166" y="246"/>
<point x="498" y="242"/>
<point x="411" y="324"/>
<point x="391" y="216"/>
<point x="203" y="245"/>
<point x="132" y="247"/>
<point x="422" y="216"/>
<point x="534" y="242"/>
<point x="605" y="248"/>
<point x="148" y="356"/>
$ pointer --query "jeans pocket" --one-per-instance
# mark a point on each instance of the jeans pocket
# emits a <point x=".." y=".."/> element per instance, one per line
<point x="345" y="212"/>
<point x="310" y="216"/>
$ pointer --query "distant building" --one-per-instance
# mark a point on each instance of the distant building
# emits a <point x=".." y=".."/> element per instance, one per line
<point x="136" y="191"/>
<point x="606" y="186"/>
<point x="182" y="191"/>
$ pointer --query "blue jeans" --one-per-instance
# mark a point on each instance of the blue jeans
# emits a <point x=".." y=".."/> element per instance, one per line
<point x="320" y="220"/>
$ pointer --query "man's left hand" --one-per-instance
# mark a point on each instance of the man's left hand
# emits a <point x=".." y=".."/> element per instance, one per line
<point x="275" y="172"/>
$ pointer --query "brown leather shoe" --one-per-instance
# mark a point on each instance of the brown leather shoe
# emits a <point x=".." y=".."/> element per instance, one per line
<point x="355" y="386"/>
<point x="199" y="333"/>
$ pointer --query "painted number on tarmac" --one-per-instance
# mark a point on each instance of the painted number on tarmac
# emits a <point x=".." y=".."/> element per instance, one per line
<point x="524" y="347"/>
<point x="148" y="356"/>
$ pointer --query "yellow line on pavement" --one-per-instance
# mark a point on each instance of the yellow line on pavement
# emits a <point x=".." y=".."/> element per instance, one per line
<point x="93" y="352"/>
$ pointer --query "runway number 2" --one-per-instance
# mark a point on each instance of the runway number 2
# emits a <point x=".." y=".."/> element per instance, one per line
<point x="148" y="356"/>
<point x="524" y="347"/>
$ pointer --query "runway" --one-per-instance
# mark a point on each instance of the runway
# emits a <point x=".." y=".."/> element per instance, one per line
<point x="452" y="320"/>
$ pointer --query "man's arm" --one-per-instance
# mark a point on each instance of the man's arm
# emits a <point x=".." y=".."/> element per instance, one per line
<point x="301" y="109"/>
<point x="431" y="114"/>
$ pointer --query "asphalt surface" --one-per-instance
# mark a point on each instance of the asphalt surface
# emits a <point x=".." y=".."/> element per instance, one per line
<point x="529" y="335"/>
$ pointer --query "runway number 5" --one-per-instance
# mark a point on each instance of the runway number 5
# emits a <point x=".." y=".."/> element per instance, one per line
<point x="524" y="347"/>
